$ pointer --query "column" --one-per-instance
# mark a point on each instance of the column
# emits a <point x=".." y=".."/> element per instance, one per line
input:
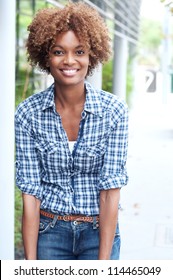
<point x="166" y="55"/>
<point x="120" y="66"/>
<point x="7" y="107"/>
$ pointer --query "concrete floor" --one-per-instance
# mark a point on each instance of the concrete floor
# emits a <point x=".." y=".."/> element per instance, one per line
<point x="146" y="218"/>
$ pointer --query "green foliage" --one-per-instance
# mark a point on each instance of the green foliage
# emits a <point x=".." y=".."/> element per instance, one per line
<point x="129" y="81"/>
<point x="24" y="85"/>
<point x="107" y="76"/>
<point x="150" y="39"/>
<point x="18" y="201"/>
<point x="169" y="4"/>
<point x="151" y="34"/>
<point x="18" y="217"/>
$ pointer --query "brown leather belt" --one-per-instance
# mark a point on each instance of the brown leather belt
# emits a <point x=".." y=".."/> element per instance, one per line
<point x="69" y="218"/>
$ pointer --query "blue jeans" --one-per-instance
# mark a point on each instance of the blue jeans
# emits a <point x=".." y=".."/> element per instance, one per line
<point x="61" y="240"/>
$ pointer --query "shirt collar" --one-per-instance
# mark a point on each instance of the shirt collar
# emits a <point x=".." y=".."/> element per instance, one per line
<point x="92" y="103"/>
<point x="48" y="97"/>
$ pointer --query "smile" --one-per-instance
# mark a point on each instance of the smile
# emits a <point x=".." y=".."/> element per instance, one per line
<point x="69" y="72"/>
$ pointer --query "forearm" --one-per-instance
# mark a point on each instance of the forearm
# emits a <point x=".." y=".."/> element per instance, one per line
<point x="30" y="226"/>
<point x="108" y="217"/>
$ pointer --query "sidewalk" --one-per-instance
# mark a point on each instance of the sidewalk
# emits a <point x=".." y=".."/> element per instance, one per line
<point x="146" y="218"/>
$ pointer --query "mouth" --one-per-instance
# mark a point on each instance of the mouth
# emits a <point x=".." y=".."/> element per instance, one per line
<point x="69" y="72"/>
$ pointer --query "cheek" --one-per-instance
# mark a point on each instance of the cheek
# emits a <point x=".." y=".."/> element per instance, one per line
<point x="53" y="62"/>
<point x="86" y="62"/>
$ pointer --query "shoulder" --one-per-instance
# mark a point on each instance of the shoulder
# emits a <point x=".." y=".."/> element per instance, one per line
<point x="107" y="103"/>
<point x="31" y="106"/>
<point x="112" y="103"/>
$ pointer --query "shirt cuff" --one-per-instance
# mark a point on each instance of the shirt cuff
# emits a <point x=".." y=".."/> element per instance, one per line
<point x="30" y="189"/>
<point x="113" y="182"/>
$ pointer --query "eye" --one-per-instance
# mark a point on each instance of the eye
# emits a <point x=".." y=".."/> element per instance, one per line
<point x="58" y="52"/>
<point x="80" y="52"/>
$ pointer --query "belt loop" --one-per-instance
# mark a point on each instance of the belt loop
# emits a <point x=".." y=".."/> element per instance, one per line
<point x="54" y="221"/>
<point x="94" y="222"/>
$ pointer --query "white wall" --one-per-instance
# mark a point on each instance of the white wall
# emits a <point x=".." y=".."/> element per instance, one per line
<point x="7" y="107"/>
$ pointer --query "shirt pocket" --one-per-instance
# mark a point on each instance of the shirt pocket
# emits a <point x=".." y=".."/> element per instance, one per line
<point x="91" y="158"/>
<point x="53" y="156"/>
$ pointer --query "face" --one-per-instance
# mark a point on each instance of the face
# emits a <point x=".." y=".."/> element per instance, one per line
<point x="68" y="60"/>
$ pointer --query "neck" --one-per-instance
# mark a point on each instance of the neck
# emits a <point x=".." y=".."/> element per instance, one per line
<point x="69" y="96"/>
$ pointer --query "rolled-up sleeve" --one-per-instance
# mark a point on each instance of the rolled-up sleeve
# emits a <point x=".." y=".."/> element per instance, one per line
<point x="114" y="172"/>
<point x="28" y="174"/>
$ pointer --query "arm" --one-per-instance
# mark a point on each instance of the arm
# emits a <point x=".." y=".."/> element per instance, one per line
<point x="30" y="225"/>
<point x="112" y="178"/>
<point x="28" y="179"/>
<point x="109" y="200"/>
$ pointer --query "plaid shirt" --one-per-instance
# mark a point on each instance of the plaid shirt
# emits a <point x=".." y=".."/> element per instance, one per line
<point x="45" y="168"/>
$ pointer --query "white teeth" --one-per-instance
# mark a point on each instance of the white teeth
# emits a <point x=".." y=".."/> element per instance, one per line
<point x="70" y="71"/>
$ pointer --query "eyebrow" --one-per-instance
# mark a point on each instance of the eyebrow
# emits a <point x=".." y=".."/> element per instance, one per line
<point x="61" y="47"/>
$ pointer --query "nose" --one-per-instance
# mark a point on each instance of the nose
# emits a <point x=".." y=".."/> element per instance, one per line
<point x="69" y="59"/>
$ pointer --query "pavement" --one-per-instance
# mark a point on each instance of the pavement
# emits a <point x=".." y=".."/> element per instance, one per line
<point x="146" y="218"/>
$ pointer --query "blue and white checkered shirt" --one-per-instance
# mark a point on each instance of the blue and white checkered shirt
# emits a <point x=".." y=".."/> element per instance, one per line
<point x="45" y="168"/>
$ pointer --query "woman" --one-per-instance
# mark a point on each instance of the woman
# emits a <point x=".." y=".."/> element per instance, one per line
<point x="71" y="142"/>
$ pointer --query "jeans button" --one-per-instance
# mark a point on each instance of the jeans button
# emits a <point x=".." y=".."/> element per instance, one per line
<point x="75" y="223"/>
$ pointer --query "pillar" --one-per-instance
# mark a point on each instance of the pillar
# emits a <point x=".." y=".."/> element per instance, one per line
<point x="120" y="66"/>
<point x="7" y="107"/>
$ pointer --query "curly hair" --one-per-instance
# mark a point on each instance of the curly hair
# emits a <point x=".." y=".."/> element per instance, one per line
<point x="86" y="23"/>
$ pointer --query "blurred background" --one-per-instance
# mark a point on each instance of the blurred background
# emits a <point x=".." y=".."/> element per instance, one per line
<point x="140" y="72"/>
<point x="146" y="217"/>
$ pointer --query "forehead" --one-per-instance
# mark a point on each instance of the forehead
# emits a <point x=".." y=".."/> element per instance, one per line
<point x="67" y="38"/>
